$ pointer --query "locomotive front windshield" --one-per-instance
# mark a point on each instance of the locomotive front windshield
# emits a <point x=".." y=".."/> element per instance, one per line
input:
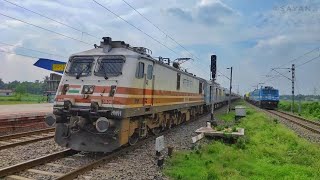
<point x="80" y="67"/>
<point x="272" y="92"/>
<point x="109" y="67"/>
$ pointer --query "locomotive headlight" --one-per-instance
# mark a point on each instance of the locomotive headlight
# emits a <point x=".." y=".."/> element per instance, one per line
<point x="87" y="89"/>
<point x="91" y="89"/>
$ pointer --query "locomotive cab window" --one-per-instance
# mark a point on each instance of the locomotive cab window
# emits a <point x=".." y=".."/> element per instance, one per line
<point x="140" y="70"/>
<point x="109" y="67"/>
<point x="200" y="87"/>
<point x="149" y="71"/>
<point x="80" y="66"/>
<point x="178" y="80"/>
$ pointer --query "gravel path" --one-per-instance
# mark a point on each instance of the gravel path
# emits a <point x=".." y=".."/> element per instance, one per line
<point x="141" y="163"/>
<point x="22" y="153"/>
<point x="302" y="132"/>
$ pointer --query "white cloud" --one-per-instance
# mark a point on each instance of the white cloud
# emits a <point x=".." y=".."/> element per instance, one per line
<point x="214" y="25"/>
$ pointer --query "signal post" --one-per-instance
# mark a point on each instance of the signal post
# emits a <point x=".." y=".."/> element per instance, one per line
<point x="213" y="69"/>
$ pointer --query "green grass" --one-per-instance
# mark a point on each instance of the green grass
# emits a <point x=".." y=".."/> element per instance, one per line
<point x="226" y="117"/>
<point x="309" y="110"/>
<point x="22" y="99"/>
<point x="268" y="151"/>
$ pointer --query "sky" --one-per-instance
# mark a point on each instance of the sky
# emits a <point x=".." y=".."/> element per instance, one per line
<point x="252" y="36"/>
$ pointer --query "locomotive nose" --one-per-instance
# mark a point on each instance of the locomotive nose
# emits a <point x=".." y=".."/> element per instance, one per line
<point x="50" y="120"/>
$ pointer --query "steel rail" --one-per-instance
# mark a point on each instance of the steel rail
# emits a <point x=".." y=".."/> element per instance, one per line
<point x="34" y="162"/>
<point x="17" y="135"/>
<point x="301" y="118"/>
<point x="75" y="173"/>
<point x="298" y="122"/>
<point x="28" y="135"/>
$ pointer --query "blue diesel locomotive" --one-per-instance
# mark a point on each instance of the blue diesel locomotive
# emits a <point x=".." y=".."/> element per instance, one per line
<point x="266" y="97"/>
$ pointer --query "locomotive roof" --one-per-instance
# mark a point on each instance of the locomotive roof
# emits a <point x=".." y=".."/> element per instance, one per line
<point x="129" y="52"/>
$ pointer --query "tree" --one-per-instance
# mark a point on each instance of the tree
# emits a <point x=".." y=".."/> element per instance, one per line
<point x="21" y="89"/>
<point x="2" y="84"/>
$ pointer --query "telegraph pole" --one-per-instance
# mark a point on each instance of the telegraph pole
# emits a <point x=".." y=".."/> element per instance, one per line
<point x="229" y="102"/>
<point x="292" y="82"/>
<point x="213" y="74"/>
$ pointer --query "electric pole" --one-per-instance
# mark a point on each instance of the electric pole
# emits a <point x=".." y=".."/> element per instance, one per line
<point x="292" y="82"/>
<point x="229" y="102"/>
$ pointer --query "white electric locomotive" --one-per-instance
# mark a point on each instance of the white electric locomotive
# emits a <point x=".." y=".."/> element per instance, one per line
<point x="116" y="94"/>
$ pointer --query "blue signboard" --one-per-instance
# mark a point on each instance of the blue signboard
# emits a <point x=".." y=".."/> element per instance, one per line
<point x="52" y="65"/>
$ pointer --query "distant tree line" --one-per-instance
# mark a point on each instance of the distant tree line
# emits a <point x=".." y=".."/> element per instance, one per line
<point x="36" y="87"/>
<point x="302" y="97"/>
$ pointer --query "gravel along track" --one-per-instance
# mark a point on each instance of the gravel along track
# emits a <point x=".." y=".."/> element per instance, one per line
<point x="23" y="153"/>
<point x="137" y="163"/>
<point x="301" y="131"/>
<point x="141" y="163"/>
<point x="13" y="140"/>
<point x="38" y="126"/>
<point x="310" y="125"/>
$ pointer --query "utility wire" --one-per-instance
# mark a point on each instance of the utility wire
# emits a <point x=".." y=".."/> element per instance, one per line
<point x="59" y="22"/>
<point x="45" y="29"/>
<point x="21" y="47"/>
<point x="135" y="27"/>
<point x="19" y="54"/>
<point x="308" y="61"/>
<point x="159" y="28"/>
<point x="295" y="59"/>
<point x="164" y="32"/>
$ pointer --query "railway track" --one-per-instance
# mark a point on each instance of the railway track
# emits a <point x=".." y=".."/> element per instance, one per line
<point x="25" y="138"/>
<point x="34" y="165"/>
<point x="307" y="124"/>
<point x="11" y="124"/>
<point x="59" y="165"/>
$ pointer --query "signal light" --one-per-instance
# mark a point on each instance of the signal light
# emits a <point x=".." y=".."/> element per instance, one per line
<point x="213" y="66"/>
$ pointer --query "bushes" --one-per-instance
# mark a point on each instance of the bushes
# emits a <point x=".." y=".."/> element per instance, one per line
<point x="310" y="110"/>
<point x="268" y="151"/>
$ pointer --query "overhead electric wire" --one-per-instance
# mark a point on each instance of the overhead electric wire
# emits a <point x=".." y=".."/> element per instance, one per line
<point x="21" y="47"/>
<point x="45" y="29"/>
<point x="147" y="19"/>
<point x="158" y="28"/>
<point x="64" y="24"/>
<point x="19" y="54"/>
<point x="308" y="61"/>
<point x="135" y="27"/>
<point x="295" y="59"/>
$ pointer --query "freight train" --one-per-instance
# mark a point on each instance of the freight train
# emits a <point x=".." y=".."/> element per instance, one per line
<point x="116" y="94"/>
<point x="266" y="97"/>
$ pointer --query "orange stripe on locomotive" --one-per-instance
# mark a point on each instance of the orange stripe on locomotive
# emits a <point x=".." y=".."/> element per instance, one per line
<point x="135" y="96"/>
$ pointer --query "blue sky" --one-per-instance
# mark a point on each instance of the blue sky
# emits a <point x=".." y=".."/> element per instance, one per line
<point x="250" y="35"/>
